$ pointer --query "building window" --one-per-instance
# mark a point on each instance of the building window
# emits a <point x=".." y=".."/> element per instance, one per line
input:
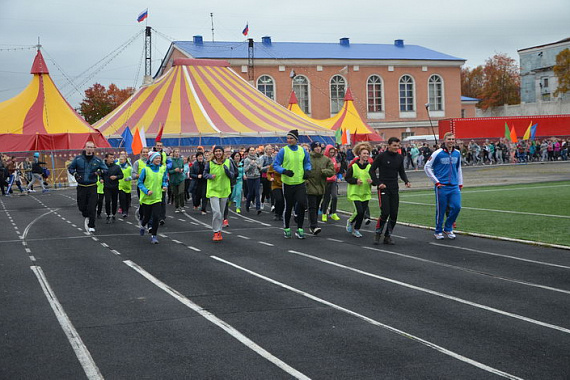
<point x="266" y="85"/>
<point x="338" y="88"/>
<point x="435" y="93"/>
<point x="301" y="89"/>
<point x="463" y="112"/>
<point x="407" y="134"/>
<point x="374" y="92"/>
<point x="406" y="94"/>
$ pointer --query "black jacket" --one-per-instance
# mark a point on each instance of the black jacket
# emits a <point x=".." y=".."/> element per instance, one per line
<point x="109" y="183"/>
<point x="391" y="165"/>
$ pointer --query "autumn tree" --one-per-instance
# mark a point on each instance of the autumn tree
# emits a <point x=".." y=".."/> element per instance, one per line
<point x="472" y="81"/>
<point x="562" y="71"/>
<point x="501" y="82"/>
<point x="99" y="101"/>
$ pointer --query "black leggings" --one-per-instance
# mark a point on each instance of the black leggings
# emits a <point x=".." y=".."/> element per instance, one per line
<point x="278" y="201"/>
<point x="358" y="217"/>
<point x="295" y="194"/>
<point x="125" y="201"/>
<point x="151" y="212"/>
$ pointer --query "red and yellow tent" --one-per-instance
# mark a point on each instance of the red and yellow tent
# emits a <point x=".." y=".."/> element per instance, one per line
<point x="39" y="118"/>
<point x="199" y="99"/>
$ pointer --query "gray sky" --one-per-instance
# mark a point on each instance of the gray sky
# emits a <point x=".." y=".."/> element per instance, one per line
<point x="77" y="34"/>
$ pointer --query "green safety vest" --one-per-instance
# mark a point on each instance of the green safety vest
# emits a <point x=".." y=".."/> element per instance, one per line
<point x="100" y="186"/>
<point x="125" y="185"/>
<point x="293" y="160"/>
<point x="220" y="186"/>
<point x="153" y="182"/>
<point x="141" y="166"/>
<point x="362" y="192"/>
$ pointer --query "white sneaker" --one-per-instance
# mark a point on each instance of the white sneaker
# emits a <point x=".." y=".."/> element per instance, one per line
<point x="91" y="229"/>
<point x="86" y="224"/>
<point x="356" y="234"/>
<point x="349" y="226"/>
<point x="450" y="235"/>
<point x="439" y="236"/>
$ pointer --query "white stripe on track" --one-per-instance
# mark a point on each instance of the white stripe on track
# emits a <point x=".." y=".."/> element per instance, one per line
<point x="218" y="322"/>
<point x="524" y="187"/>
<point x="81" y="351"/>
<point x="374" y="322"/>
<point x="438" y="294"/>
<point x="27" y="229"/>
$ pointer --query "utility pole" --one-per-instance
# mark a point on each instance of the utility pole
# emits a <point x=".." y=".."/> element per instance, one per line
<point x="212" y="17"/>
<point x="148" y="57"/>
<point x="250" y="60"/>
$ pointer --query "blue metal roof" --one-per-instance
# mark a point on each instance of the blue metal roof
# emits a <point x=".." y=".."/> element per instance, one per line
<point x="468" y="99"/>
<point x="310" y="50"/>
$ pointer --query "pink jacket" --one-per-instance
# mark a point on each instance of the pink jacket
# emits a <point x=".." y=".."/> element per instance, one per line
<point x="335" y="164"/>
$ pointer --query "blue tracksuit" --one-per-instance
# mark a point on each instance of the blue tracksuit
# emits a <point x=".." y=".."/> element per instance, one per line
<point x="444" y="169"/>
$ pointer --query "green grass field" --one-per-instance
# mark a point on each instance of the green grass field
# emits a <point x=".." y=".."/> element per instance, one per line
<point x="537" y="212"/>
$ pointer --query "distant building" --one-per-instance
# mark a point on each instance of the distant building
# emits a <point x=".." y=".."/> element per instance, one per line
<point x="538" y="81"/>
<point x="391" y="83"/>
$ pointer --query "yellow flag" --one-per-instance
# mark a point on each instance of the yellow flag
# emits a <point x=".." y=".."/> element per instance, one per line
<point x="527" y="133"/>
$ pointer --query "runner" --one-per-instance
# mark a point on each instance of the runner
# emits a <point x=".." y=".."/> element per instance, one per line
<point x="111" y="187"/>
<point x="138" y="166"/>
<point x="276" y="192"/>
<point x="152" y="182"/>
<point x="237" y="190"/>
<point x="218" y="172"/>
<point x="252" y="169"/>
<point x="322" y="168"/>
<point x="359" y="187"/>
<point x="331" y="190"/>
<point x="294" y="165"/>
<point x="176" y="180"/>
<point x="125" y="185"/>
<point x="84" y="168"/>
<point x="391" y="164"/>
<point x="199" y="183"/>
<point x="444" y="169"/>
<point x="37" y="172"/>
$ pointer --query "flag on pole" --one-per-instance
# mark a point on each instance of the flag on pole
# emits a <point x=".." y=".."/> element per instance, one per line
<point x="343" y="139"/>
<point x="142" y="136"/>
<point x="159" y="135"/>
<point x="245" y="30"/>
<point x="348" y="139"/>
<point x="143" y="15"/>
<point x="514" y="135"/>
<point x="533" y="131"/>
<point x="507" y="132"/>
<point x="127" y="140"/>
<point x="338" y="136"/>
<point x="527" y="133"/>
<point x="136" y="145"/>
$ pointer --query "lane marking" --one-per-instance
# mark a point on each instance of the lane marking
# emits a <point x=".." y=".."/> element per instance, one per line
<point x="335" y="240"/>
<point x="176" y="241"/>
<point x="105" y="245"/>
<point x="163" y="235"/>
<point x="524" y="187"/>
<point x="115" y="252"/>
<point x="194" y="248"/>
<point x="504" y="256"/>
<point x="243" y="237"/>
<point x="218" y="322"/>
<point x="81" y="351"/>
<point x="265" y="243"/>
<point x="247" y="219"/>
<point x="182" y="220"/>
<point x="27" y="229"/>
<point x="374" y="322"/>
<point x="438" y="294"/>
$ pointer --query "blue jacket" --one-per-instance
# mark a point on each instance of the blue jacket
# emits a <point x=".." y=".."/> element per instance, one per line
<point x="86" y="169"/>
<point x="444" y="167"/>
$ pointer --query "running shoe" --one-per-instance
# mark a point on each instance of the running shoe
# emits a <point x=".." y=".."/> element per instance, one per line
<point x="334" y="217"/>
<point x="368" y="220"/>
<point x="356" y="234"/>
<point x="153" y="240"/>
<point x="450" y="235"/>
<point x="142" y="230"/>
<point x="388" y="240"/>
<point x="225" y="223"/>
<point x="258" y="212"/>
<point x="377" y="237"/>
<point x="320" y="212"/>
<point x="113" y="219"/>
<point x="86" y="224"/>
<point x="161" y="222"/>
<point x="217" y="236"/>
<point x="315" y="231"/>
<point x="108" y="220"/>
<point x="91" y="229"/>
<point x="287" y="233"/>
<point x="238" y="210"/>
<point x="439" y="236"/>
<point x="324" y="218"/>
<point x="44" y="191"/>
<point x="348" y="226"/>
<point x="300" y="233"/>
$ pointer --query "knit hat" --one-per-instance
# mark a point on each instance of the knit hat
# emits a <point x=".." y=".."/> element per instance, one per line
<point x="37" y="154"/>
<point x="293" y="133"/>
<point x="152" y="156"/>
<point x="315" y="144"/>
<point x="218" y="147"/>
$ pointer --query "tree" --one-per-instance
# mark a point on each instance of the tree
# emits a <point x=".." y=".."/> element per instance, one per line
<point x="99" y="101"/>
<point x="502" y="82"/>
<point x="562" y="71"/>
<point x="472" y="81"/>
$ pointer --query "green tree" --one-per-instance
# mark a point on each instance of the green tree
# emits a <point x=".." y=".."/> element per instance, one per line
<point x="562" y="71"/>
<point x="472" y="81"/>
<point x="99" y="101"/>
<point x="502" y="82"/>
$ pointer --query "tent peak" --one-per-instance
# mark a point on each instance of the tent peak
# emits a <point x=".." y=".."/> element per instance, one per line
<point x="348" y="95"/>
<point x="293" y="98"/>
<point x="39" y="66"/>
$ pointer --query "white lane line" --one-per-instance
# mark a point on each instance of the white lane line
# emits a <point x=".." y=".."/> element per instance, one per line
<point x="32" y="258"/>
<point x="335" y="240"/>
<point x="94" y="238"/>
<point x="250" y="219"/>
<point x="494" y="210"/>
<point x="243" y="237"/>
<point x="218" y="322"/>
<point x="163" y="235"/>
<point x="194" y="248"/>
<point x="505" y="256"/>
<point x="74" y="225"/>
<point x="399" y="237"/>
<point x="373" y="322"/>
<point x="182" y="220"/>
<point x="177" y="241"/>
<point x="105" y="245"/>
<point x="265" y="243"/>
<point x="115" y="252"/>
<point x="227" y="232"/>
<point x="27" y="229"/>
<point x="28" y="250"/>
<point x="196" y="221"/>
<point x="438" y="294"/>
<point x="526" y="188"/>
<point x="520" y="282"/>
<point x="81" y="351"/>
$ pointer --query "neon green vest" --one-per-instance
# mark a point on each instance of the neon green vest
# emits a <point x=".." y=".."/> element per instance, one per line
<point x="153" y="182"/>
<point x="293" y="160"/>
<point x="141" y="166"/>
<point x="125" y="185"/>
<point x="220" y="186"/>
<point x="100" y="186"/>
<point x="362" y="192"/>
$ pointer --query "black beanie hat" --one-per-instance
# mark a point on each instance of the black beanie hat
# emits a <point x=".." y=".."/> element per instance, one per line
<point x="218" y="147"/>
<point x="315" y="144"/>
<point x="294" y="133"/>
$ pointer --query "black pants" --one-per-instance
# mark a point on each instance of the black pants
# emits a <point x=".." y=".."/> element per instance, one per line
<point x="87" y="202"/>
<point x="389" y="202"/>
<point x="199" y="195"/>
<point x="187" y="189"/>
<point x="331" y="196"/>
<point x="151" y="212"/>
<point x="2" y="181"/>
<point x="111" y="200"/>
<point x="278" y="201"/>
<point x="100" y="199"/>
<point x="295" y="194"/>
<point x="125" y="201"/>
<point x="314" y="202"/>
<point x="266" y="190"/>
<point x="360" y="211"/>
<point x="227" y="208"/>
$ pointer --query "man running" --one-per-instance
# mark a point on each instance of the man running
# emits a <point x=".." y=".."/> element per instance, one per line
<point x="444" y="169"/>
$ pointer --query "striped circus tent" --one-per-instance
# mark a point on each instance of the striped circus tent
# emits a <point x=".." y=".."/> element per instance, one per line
<point x="204" y="102"/>
<point x="347" y="119"/>
<point x="39" y="118"/>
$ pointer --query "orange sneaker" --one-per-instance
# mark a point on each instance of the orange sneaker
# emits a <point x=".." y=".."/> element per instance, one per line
<point x="217" y="236"/>
<point x="225" y="223"/>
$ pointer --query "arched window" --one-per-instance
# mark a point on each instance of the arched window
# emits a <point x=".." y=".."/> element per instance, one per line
<point x="374" y="93"/>
<point x="301" y="89"/>
<point x="338" y="88"/>
<point x="406" y="94"/>
<point x="266" y="85"/>
<point x="435" y="93"/>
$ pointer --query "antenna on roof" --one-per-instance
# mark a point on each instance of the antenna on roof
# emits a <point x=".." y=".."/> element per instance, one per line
<point x="212" y="17"/>
<point x="38" y="46"/>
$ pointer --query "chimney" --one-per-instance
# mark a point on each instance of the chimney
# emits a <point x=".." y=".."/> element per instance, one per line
<point x="198" y="40"/>
<point x="266" y="40"/>
<point x="345" y="41"/>
<point x="399" y="43"/>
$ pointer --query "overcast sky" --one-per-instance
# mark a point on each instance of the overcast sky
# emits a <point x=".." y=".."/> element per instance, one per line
<point x="76" y="35"/>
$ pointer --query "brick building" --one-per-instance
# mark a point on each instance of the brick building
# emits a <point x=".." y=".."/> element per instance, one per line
<point x="391" y="83"/>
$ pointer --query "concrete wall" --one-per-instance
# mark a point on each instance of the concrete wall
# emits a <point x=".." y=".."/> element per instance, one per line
<point x="558" y="107"/>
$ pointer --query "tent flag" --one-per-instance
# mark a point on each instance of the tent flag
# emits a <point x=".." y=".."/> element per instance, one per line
<point x="338" y="136"/>
<point x="527" y="133"/>
<point x="127" y="140"/>
<point x="142" y="136"/>
<point x="343" y="138"/>
<point x="514" y="134"/>
<point x="507" y="132"/>
<point x="136" y="145"/>
<point x="533" y="131"/>
<point x="348" y="139"/>
<point x="159" y="135"/>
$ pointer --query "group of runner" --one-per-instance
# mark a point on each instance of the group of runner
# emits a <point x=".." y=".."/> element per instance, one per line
<point x="298" y="179"/>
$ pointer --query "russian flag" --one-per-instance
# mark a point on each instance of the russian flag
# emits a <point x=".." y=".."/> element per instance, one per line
<point x="143" y="15"/>
<point x="245" y="30"/>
